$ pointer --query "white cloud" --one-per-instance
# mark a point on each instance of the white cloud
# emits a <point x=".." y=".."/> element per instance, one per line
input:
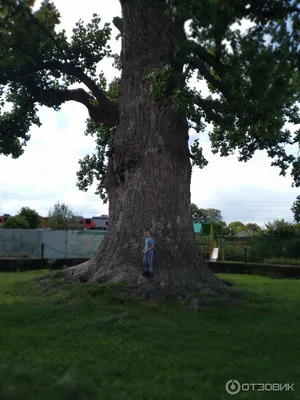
<point x="247" y="192"/>
<point x="46" y="173"/>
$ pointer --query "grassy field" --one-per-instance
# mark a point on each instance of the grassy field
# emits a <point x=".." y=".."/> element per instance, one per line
<point x="87" y="342"/>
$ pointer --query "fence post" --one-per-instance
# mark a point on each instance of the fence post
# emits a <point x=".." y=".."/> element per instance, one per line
<point x="42" y="250"/>
<point x="66" y="244"/>
<point x="245" y="254"/>
<point x="222" y="249"/>
<point x="254" y="248"/>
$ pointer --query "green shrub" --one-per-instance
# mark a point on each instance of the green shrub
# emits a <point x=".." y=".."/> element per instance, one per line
<point x="16" y="222"/>
<point x="283" y="261"/>
<point x="234" y="252"/>
<point x="204" y="252"/>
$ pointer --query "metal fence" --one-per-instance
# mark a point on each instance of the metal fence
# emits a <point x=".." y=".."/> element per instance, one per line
<point x="50" y="244"/>
<point x="83" y="244"/>
<point x="258" y="249"/>
<point x="252" y="249"/>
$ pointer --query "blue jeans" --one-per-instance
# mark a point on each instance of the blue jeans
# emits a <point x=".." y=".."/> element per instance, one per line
<point x="148" y="262"/>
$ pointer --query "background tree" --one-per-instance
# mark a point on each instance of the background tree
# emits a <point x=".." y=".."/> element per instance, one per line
<point x="16" y="222"/>
<point x="62" y="217"/>
<point x="296" y="210"/>
<point x="297" y="230"/>
<point x="255" y="229"/>
<point x="198" y="214"/>
<point x="219" y="228"/>
<point x="280" y="228"/>
<point x="31" y="216"/>
<point x="208" y="216"/>
<point x="214" y="217"/>
<point x="234" y="227"/>
<point x="141" y="121"/>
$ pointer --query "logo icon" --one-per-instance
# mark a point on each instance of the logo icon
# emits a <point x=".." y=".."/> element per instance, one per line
<point x="233" y="387"/>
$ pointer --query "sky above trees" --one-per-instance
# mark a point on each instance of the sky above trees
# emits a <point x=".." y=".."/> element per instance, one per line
<point x="46" y="173"/>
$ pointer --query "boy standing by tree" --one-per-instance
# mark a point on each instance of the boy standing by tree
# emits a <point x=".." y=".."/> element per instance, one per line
<point x="148" y="253"/>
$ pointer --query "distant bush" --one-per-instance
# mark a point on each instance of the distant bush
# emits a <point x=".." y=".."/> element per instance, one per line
<point x="15" y="255"/>
<point x="237" y="253"/>
<point x="16" y="223"/>
<point x="204" y="250"/>
<point x="274" y="271"/>
<point x="268" y="248"/>
<point x="234" y="253"/>
<point x="283" y="261"/>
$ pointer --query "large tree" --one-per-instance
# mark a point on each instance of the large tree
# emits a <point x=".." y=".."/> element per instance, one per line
<point x="142" y="120"/>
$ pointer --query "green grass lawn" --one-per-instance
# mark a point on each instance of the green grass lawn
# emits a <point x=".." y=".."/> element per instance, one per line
<point x="87" y="342"/>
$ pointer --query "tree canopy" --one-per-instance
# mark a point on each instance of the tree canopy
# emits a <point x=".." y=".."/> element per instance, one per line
<point x="281" y="228"/>
<point x="31" y="216"/>
<point x="236" y="226"/>
<point x="61" y="217"/>
<point x="296" y="210"/>
<point x="208" y="216"/>
<point x="254" y="228"/>
<point x="205" y="215"/>
<point x="252" y="75"/>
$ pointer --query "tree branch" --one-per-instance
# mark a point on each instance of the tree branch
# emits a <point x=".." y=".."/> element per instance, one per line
<point x="198" y="64"/>
<point x="212" y="108"/>
<point x="187" y="71"/>
<point x="191" y="47"/>
<point x="105" y="106"/>
<point x="118" y="23"/>
<point x="65" y="68"/>
<point x="58" y="97"/>
<point x="77" y="72"/>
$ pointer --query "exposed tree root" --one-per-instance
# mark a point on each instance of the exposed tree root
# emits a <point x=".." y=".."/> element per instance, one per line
<point x="176" y="283"/>
<point x="150" y="290"/>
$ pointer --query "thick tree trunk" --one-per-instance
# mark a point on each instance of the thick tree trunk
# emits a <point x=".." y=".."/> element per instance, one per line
<point x="150" y="172"/>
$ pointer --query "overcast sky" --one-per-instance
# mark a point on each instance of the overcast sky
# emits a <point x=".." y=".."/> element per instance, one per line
<point x="46" y="173"/>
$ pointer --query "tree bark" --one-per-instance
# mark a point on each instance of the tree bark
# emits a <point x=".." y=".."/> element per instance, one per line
<point x="149" y="173"/>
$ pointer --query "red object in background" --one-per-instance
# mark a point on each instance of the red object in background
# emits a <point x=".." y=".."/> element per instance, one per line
<point x="94" y="223"/>
<point x="88" y="223"/>
<point x="45" y="222"/>
<point x="4" y="218"/>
